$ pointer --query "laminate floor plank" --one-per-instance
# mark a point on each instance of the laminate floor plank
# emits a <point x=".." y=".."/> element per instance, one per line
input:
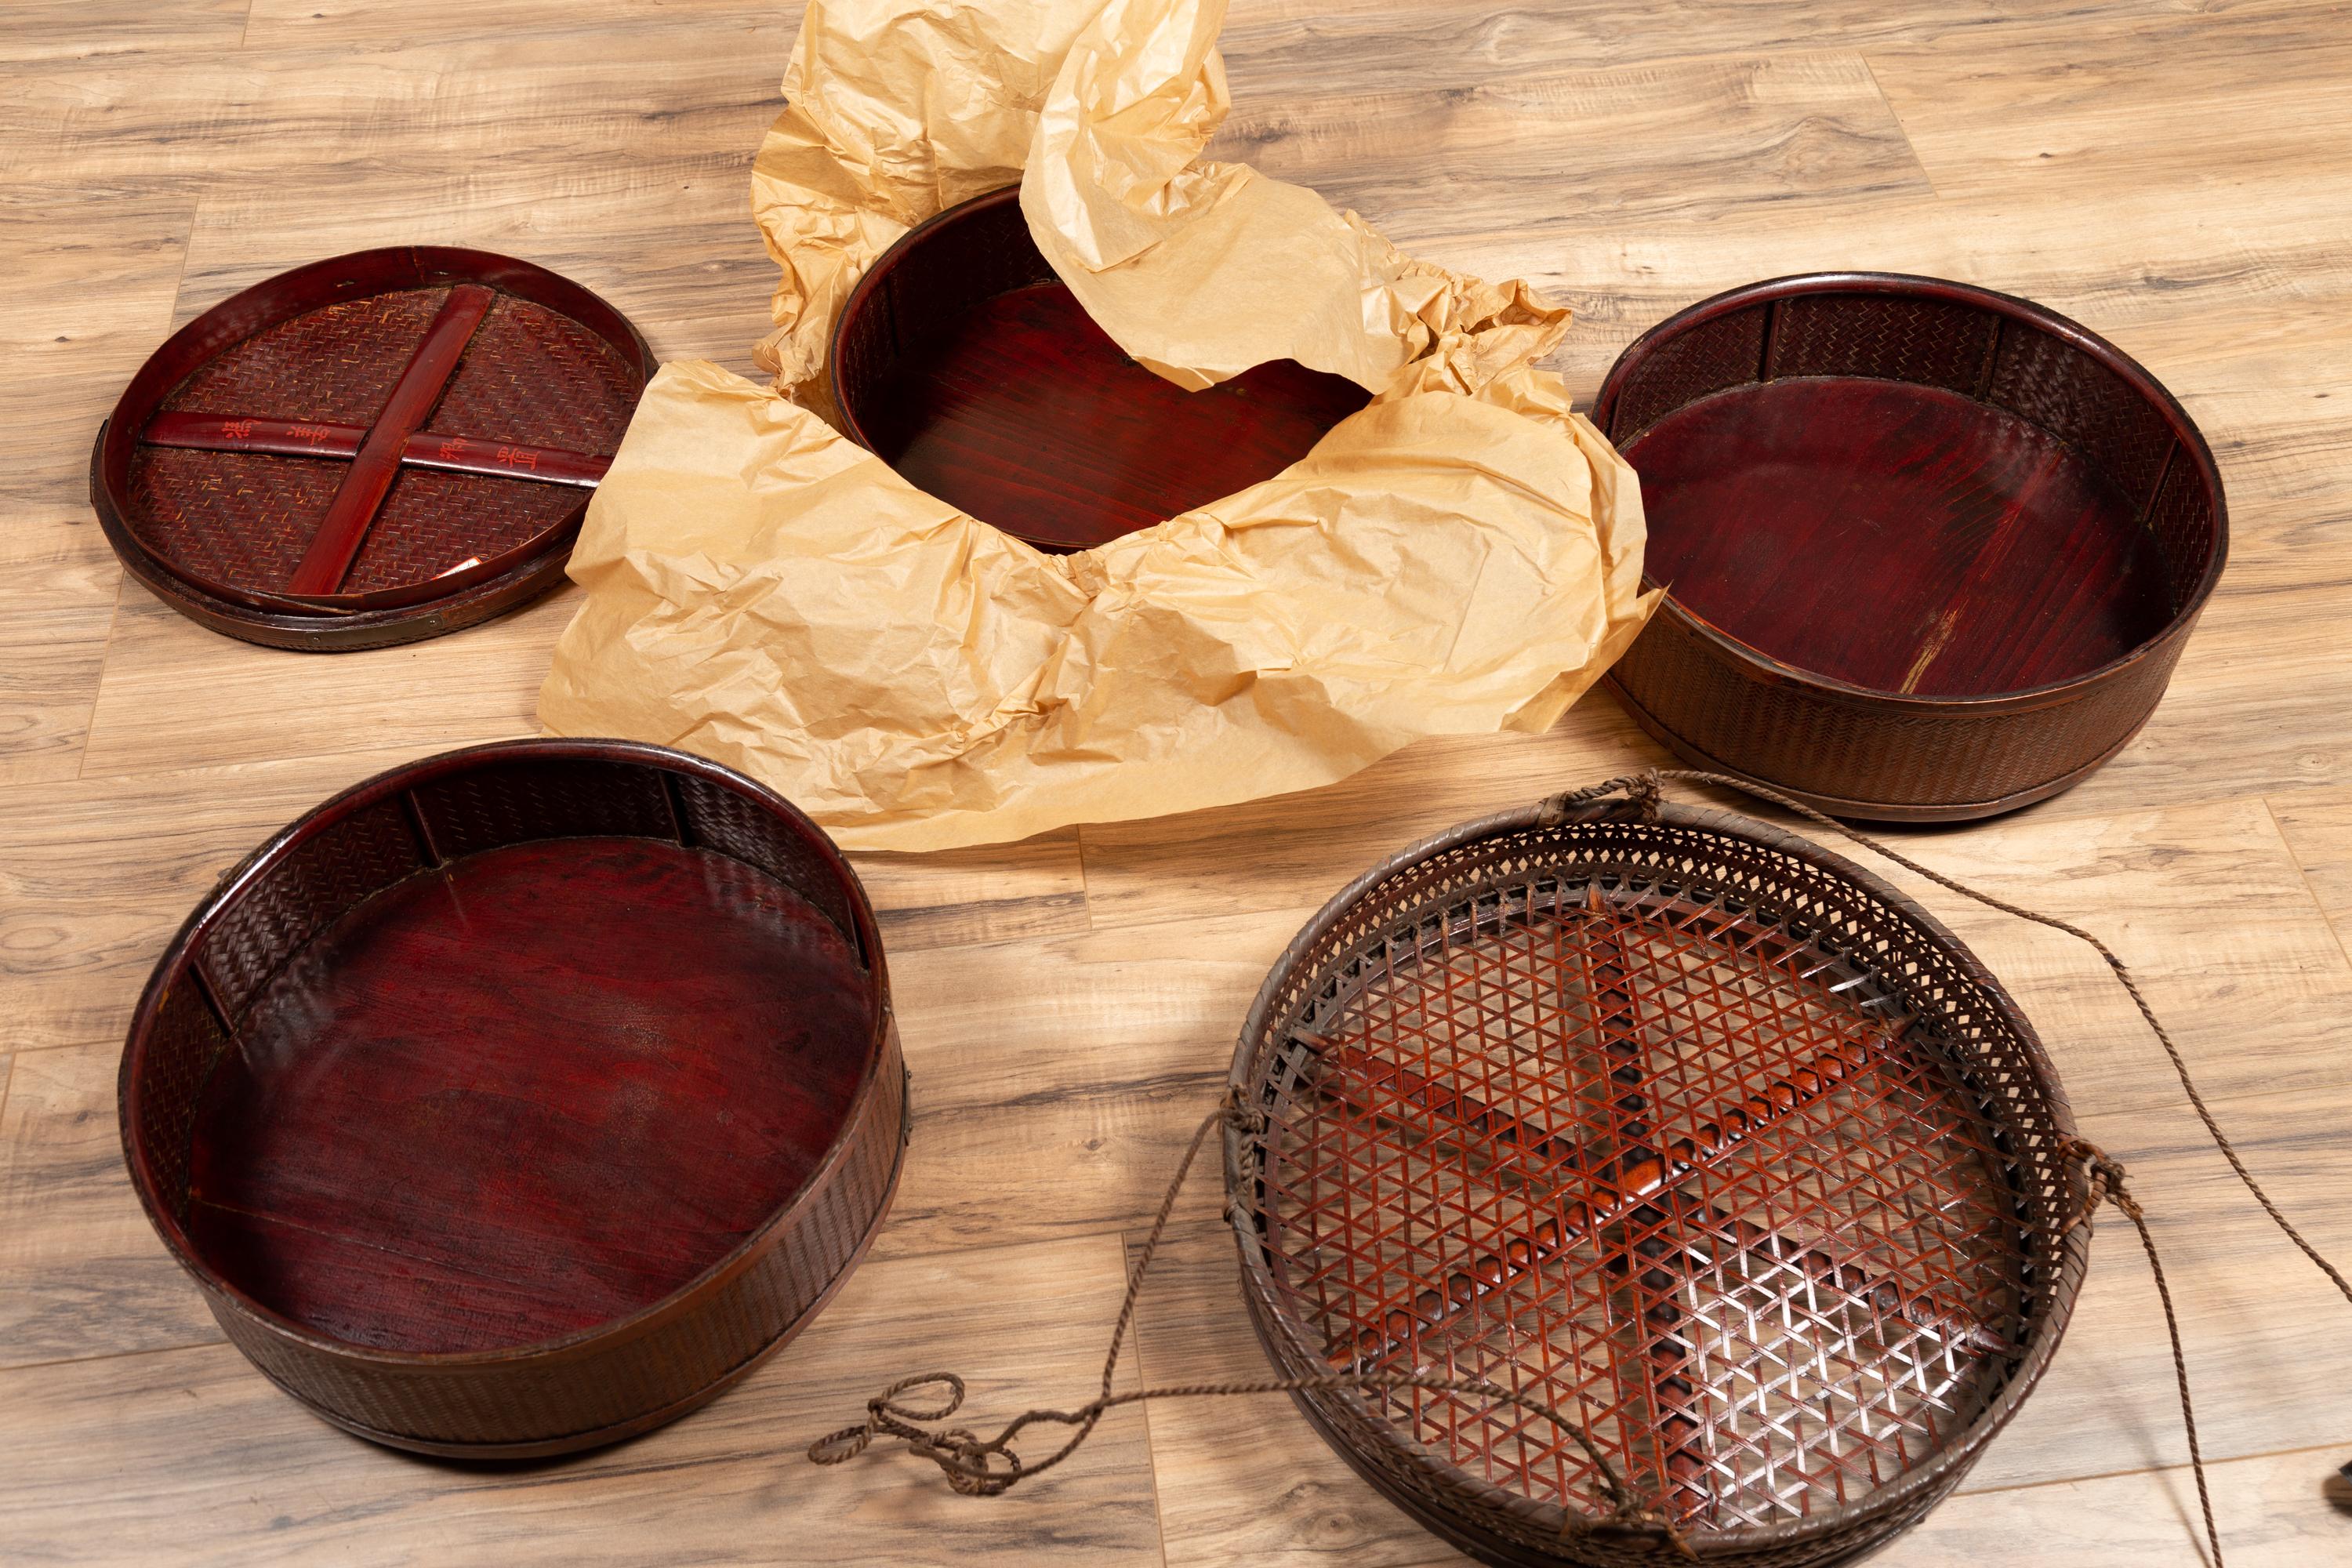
<point x="180" y="1452"/>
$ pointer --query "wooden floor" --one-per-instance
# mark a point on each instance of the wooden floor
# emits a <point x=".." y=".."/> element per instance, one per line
<point x="2177" y="176"/>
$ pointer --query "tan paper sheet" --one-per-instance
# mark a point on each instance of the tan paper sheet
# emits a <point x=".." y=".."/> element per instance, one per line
<point x="1463" y="555"/>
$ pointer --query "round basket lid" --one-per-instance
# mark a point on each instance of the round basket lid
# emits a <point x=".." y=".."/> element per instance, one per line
<point x="1703" y="1138"/>
<point x="371" y="449"/>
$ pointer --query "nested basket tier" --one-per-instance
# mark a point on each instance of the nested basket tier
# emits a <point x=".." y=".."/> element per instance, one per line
<point x="1699" y="1134"/>
<point x="1932" y="551"/>
<point x="966" y="364"/>
<point x="521" y="1099"/>
<point x="370" y="450"/>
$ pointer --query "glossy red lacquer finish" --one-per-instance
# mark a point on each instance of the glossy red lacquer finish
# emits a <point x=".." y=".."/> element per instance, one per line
<point x="964" y="362"/>
<point x="596" y="1064"/>
<point x="1932" y="551"/>
<point x="521" y="1097"/>
<point x="370" y="450"/>
<point x="1903" y="537"/>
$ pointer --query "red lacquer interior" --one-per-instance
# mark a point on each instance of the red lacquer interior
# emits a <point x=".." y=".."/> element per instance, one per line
<point x="510" y="1053"/>
<point x="529" y="1094"/>
<point x="964" y="363"/>
<point x="1898" y="537"/>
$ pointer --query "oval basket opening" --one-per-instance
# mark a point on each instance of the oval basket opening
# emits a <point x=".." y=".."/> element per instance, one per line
<point x="963" y="361"/>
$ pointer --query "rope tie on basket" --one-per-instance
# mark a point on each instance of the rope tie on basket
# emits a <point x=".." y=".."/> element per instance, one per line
<point x="2102" y="1182"/>
<point x="989" y="1467"/>
<point x="2102" y="1176"/>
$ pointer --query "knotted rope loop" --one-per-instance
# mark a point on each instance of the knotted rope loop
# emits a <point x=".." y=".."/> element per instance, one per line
<point x="990" y="1468"/>
<point x="1641" y="789"/>
<point x="2103" y="1180"/>
<point x="968" y="1462"/>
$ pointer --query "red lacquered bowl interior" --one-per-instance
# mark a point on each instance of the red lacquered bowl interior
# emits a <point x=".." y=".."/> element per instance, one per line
<point x="965" y="364"/>
<point x="503" y="1047"/>
<point x="1914" y="487"/>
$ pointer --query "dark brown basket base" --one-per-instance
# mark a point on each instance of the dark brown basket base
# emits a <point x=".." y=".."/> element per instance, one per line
<point x="618" y="1431"/>
<point x="1866" y="810"/>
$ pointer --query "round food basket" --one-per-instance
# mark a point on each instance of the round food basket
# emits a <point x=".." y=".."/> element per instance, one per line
<point x="1931" y="552"/>
<point x="521" y="1099"/>
<point x="1674" y="1123"/>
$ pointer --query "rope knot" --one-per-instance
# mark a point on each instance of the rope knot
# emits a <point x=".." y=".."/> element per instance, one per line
<point x="2102" y="1177"/>
<point x="1240" y="1115"/>
<point x="1643" y="790"/>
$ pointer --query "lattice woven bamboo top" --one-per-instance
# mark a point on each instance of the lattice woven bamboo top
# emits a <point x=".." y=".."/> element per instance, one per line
<point x="1698" y="1134"/>
<point x="374" y="432"/>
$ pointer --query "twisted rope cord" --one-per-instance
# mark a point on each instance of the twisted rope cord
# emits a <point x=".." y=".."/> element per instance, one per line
<point x="969" y="1463"/>
<point x="990" y="1468"/>
<point x="2102" y="1177"/>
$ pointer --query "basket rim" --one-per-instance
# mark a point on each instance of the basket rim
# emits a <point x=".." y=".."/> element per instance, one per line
<point x="2130" y="371"/>
<point x="1939" y="1470"/>
<point x="177" y="959"/>
<point x="855" y="302"/>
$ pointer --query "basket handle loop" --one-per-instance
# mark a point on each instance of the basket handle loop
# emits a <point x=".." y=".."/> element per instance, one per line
<point x="990" y="1468"/>
<point x="2102" y="1176"/>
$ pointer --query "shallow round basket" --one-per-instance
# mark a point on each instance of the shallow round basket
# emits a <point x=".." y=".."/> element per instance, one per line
<point x="1703" y="1136"/>
<point x="1932" y="551"/>
<point x="370" y="450"/>
<point x="521" y="1098"/>
<point x="963" y="361"/>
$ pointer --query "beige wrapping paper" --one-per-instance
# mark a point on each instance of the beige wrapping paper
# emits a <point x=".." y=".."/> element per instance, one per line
<point x="1463" y="555"/>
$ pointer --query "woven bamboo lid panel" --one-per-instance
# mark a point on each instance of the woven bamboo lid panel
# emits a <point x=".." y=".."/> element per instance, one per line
<point x="964" y="362"/>
<point x="1685" y="1128"/>
<point x="1932" y="551"/>
<point x="521" y="1098"/>
<point x="370" y="450"/>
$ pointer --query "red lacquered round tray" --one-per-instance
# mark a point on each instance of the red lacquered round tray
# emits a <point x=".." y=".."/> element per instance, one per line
<point x="521" y="1099"/>
<point x="1932" y="551"/>
<point x="966" y="364"/>
<point x="371" y="449"/>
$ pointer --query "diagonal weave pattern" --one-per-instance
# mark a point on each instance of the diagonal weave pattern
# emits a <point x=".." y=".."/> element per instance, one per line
<point x="1605" y="1118"/>
<point x="335" y="365"/>
<point x="533" y="375"/>
<point x="244" y="520"/>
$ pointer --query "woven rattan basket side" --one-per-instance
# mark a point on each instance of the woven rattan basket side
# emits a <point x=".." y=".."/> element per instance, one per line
<point x="1883" y="747"/>
<point x="1824" y="742"/>
<point x="1733" y="864"/>
<point x="693" y="1328"/>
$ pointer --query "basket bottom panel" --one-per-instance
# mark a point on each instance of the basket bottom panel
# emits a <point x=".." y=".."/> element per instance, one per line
<point x="529" y="1092"/>
<point x="1025" y="414"/>
<point x="1898" y="537"/>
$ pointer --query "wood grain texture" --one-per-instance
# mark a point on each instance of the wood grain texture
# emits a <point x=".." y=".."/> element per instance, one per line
<point x="1069" y="1004"/>
<point x="727" y="1486"/>
<point x="2318" y="827"/>
<point x="82" y="1276"/>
